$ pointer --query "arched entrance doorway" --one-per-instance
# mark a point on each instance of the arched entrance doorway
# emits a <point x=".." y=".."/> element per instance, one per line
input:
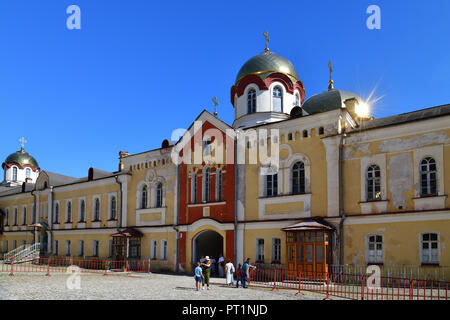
<point x="207" y="243"/>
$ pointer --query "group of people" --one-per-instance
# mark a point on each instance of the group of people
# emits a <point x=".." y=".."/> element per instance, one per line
<point x="202" y="273"/>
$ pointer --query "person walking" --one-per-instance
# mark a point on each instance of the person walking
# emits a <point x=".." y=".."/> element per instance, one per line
<point x="245" y="272"/>
<point x="229" y="269"/>
<point x="206" y="272"/>
<point x="238" y="275"/>
<point x="198" y="276"/>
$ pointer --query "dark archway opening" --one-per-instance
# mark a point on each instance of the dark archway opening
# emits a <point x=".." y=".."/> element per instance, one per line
<point x="207" y="243"/>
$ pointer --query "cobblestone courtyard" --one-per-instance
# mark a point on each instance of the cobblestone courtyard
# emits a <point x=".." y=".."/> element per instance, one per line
<point x="133" y="287"/>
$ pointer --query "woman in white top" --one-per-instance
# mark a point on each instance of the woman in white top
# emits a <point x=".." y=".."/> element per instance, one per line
<point x="229" y="269"/>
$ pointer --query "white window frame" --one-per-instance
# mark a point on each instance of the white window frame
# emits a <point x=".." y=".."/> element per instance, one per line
<point x="27" y="173"/>
<point x="258" y="250"/>
<point x="219" y="185"/>
<point x="428" y="173"/>
<point x="275" y="87"/>
<point x="15" y="172"/>
<point x="274" y="249"/>
<point x="377" y="258"/>
<point x="374" y="181"/>
<point x="206" y="185"/>
<point x="94" y="215"/>
<point x="251" y="100"/>
<point x="430" y="255"/>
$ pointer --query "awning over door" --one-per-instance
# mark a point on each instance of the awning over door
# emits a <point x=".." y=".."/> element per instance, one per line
<point x="307" y="226"/>
<point x="128" y="233"/>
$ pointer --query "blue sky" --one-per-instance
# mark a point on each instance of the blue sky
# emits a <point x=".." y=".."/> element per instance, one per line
<point x="137" y="70"/>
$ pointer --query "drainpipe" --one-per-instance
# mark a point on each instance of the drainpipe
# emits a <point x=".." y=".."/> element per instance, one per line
<point x="34" y="213"/>
<point x="175" y="223"/>
<point x="341" y="199"/>
<point x="235" y="201"/>
<point x="50" y="219"/>
<point x="121" y="199"/>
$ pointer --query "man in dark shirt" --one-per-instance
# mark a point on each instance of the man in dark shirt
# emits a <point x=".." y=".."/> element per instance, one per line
<point x="245" y="272"/>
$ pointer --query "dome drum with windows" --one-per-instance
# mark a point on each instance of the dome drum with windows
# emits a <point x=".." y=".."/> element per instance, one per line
<point x="20" y="167"/>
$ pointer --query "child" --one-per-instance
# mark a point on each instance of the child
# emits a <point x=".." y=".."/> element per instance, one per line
<point x="198" y="276"/>
<point x="238" y="275"/>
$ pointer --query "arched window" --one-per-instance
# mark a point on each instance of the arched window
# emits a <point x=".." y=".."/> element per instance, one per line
<point x="24" y="216"/>
<point x="15" y="217"/>
<point x="82" y="210"/>
<point x="144" y="197"/>
<point x="297" y="100"/>
<point x="28" y="172"/>
<point x="97" y="209"/>
<point x="428" y="173"/>
<point x="298" y="178"/>
<point x="251" y="101"/>
<point x="207" y="185"/>
<point x="194" y="188"/>
<point x="69" y="212"/>
<point x="113" y="212"/>
<point x="56" y="214"/>
<point x="277" y="99"/>
<point x="219" y="185"/>
<point x="159" y="195"/>
<point x="373" y="182"/>
<point x="14" y="174"/>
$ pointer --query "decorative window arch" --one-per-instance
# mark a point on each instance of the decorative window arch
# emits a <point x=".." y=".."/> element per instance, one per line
<point x="219" y="185"/>
<point x="206" y="184"/>
<point x="69" y="212"/>
<point x="97" y="209"/>
<point x="113" y="208"/>
<point x="298" y="178"/>
<point x="428" y="177"/>
<point x="159" y="195"/>
<point x="373" y="183"/>
<point x="277" y="99"/>
<point x="14" y="177"/>
<point x="251" y="101"/>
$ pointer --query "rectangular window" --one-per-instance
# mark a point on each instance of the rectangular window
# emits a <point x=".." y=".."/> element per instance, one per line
<point x="276" y="250"/>
<point x="7" y="218"/>
<point x="69" y="212"/>
<point x="14" y="244"/>
<point x="163" y="249"/>
<point x="219" y="185"/>
<point x="15" y="217"/>
<point x="271" y="185"/>
<point x="95" y="248"/>
<point x="194" y="188"/>
<point x="55" y="247"/>
<point x="81" y="248"/>
<point x="260" y="250"/>
<point x="375" y="249"/>
<point x="24" y="215"/>
<point x="154" y="249"/>
<point x="430" y="248"/>
<point x="67" y="247"/>
<point x="6" y="246"/>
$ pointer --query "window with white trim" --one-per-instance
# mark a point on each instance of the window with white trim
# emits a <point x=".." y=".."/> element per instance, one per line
<point x="219" y="185"/>
<point x="159" y="195"/>
<point x="15" y="217"/>
<point x="24" y="215"/>
<point x="207" y="185"/>
<point x="430" y="248"/>
<point x="14" y="174"/>
<point x="163" y="249"/>
<point x="276" y="250"/>
<point x="194" y="188"/>
<point x="113" y="208"/>
<point x="144" y="197"/>
<point x="69" y="212"/>
<point x="27" y="172"/>
<point x="298" y="178"/>
<point x="95" y="245"/>
<point x="260" y="250"/>
<point x="375" y="249"/>
<point x="428" y="177"/>
<point x="154" y="249"/>
<point x="96" y="209"/>
<point x="251" y="101"/>
<point x="68" y="247"/>
<point x="81" y="248"/>
<point x="271" y="185"/>
<point x="373" y="183"/>
<point x="277" y="99"/>
<point x="82" y="210"/>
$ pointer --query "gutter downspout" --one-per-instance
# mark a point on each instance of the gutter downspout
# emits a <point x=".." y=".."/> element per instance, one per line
<point x="50" y="219"/>
<point x="341" y="199"/>
<point x="236" y="173"/>
<point x="175" y="223"/>
<point x="121" y="198"/>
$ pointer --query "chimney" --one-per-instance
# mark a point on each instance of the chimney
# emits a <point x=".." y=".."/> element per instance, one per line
<point x="122" y="154"/>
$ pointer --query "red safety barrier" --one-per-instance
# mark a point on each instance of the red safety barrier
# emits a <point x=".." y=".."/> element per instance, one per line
<point x="350" y="286"/>
<point x="60" y="265"/>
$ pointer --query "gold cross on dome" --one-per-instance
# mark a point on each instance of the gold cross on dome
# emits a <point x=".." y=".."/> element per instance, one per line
<point x="266" y="35"/>
<point x="216" y="103"/>
<point x="22" y="143"/>
<point x="331" y="82"/>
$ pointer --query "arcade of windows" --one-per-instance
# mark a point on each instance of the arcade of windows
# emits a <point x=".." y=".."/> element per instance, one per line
<point x="298" y="181"/>
<point x="206" y="186"/>
<point x="158" y="201"/>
